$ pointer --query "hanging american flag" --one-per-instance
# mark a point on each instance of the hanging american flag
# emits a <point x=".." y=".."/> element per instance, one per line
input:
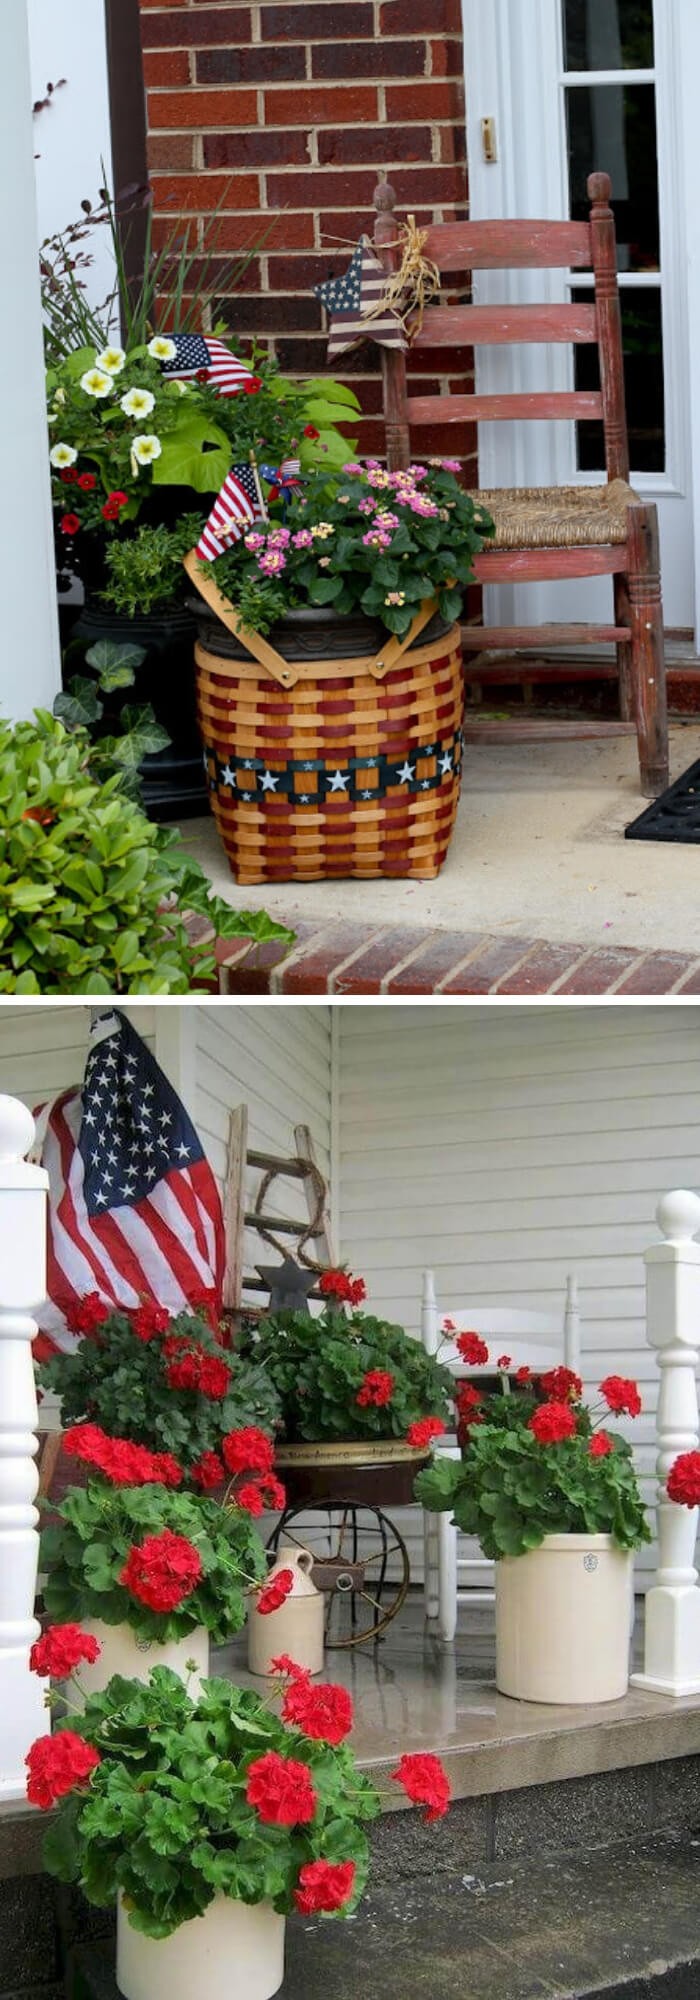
<point x="235" y="507"/>
<point x="197" y="354"/>
<point x="348" y="299"/>
<point x="134" y="1209"/>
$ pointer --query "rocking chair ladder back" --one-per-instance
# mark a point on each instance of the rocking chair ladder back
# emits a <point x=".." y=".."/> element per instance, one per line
<point x="534" y="1339"/>
<point x="247" y="1214"/>
<point x="545" y="534"/>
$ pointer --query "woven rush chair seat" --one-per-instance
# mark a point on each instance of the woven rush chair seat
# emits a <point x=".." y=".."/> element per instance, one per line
<point x="557" y="517"/>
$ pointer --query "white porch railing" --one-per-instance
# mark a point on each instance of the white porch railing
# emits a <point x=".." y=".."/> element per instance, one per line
<point x="672" y="1621"/>
<point x="23" y="1210"/>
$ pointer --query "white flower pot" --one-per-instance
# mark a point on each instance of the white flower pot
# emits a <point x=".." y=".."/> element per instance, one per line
<point x="297" y="1628"/>
<point x="234" y="1949"/>
<point x="124" y="1652"/>
<point x="563" y="1621"/>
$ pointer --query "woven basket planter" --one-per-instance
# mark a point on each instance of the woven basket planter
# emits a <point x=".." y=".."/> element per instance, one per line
<point x="305" y="755"/>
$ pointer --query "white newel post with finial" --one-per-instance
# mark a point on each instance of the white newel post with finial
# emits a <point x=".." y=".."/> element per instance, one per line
<point x="672" y="1622"/>
<point x="23" y="1212"/>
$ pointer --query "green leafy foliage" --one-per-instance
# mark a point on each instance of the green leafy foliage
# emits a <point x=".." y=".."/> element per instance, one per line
<point x="144" y="571"/>
<point x="80" y="707"/>
<point x="97" y="1525"/>
<point x="510" y="1490"/>
<point x="164" y="1821"/>
<point x="375" y="541"/>
<point x="120" y="1381"/>
<point x="92" y="894"/>
<point x="318" y="1366"/>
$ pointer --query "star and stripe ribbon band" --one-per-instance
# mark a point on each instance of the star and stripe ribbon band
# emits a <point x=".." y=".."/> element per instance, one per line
<point x="349" y="298"/>
<point x="309" y="781"/>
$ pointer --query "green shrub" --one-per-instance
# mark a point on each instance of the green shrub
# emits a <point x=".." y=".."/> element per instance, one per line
<point x="145" y="571"/>
<point x="92" y="894"/>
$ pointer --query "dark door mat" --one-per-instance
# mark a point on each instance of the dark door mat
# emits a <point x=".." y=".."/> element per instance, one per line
<point x="675" y="816"/>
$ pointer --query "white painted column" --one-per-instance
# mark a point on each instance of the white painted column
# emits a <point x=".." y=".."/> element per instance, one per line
<point x="672" y="1619"/>
<point x="23" y="1210"/>
<point x="31" y="673"/>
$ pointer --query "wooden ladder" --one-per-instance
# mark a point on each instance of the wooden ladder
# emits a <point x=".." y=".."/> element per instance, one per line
<point x="241" y="1214"/>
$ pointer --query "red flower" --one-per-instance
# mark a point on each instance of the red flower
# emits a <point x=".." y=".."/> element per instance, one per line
<point x="203" y="1373"/>
<point x="68" y="475"/>
<point x="202" y="375"/>
<point x="523" y="1375"/>
<point x="290" y="1668"/>
<point x="61" y="1649"/>
<point x="119" y="1460"/>
<point x="257" y="1495"/>
<point x="281" y="1790"/>
<point x="468" y="1404"/>
<point x="310" y="431"/>
<point x="90" y="1313"/>
<point x="69" y="524"/>
<point x="377" y="1388"/>
<point x="504" y="1361"/>
<point x="273" y="1593"/>
<point x="110" y="511"/>
<point x="250" y="388"/>
<point x="56" y="1764"/>
<point x="322" y="1712"/>
<point x="324" y="1885"/>
<point x="248" y="1450"/>
<point x="683" y="1483"/>
<point x="121" y="499"/>
<point x="425" y="1781"/>
<point x="43" y="817"/>
<point x="621" y="1395"/>
<point x="552" y="1423"/>
<point x="561" y="1384"/>
<point x="421" y="1434"/>
<point x="472" y="1348"/>
<point x="149" y="1319"/>
<point x="87" y="480"/>
<point x="183" y="1374"/>
<point x="340" y="1285"/>
<point x="600" y="1444"/>
<point x="163" y="1571"/>
<point x="214" y="1377"/>
<point x="209" y="1471"/>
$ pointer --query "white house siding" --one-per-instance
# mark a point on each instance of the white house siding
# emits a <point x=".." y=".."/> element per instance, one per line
<point x="73" y="136"/>
<point x="44" y="1049"/>
<point x="505" y="1148"/>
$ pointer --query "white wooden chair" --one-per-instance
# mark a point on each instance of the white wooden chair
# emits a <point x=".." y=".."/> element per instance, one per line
<point x="537" y="1339"/>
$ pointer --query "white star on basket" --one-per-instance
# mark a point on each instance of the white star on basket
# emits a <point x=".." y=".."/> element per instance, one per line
<point x="405" y="774"/>
<point x="228" y="777"/>
<point x="268" y="783"/>
<point x="446" y="763"/>
<point x="338" y="782"/>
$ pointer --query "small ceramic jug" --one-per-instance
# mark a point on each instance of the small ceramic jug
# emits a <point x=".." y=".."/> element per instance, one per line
<point x="297" y="1627"/>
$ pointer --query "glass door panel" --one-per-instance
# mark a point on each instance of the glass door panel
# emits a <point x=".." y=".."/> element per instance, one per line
<point x="608" y="34"/>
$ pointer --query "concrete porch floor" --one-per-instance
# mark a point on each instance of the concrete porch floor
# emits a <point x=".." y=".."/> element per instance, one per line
<point x="538" y="854"/>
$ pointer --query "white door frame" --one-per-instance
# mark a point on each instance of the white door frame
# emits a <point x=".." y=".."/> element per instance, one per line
<point x="513" y="72"/>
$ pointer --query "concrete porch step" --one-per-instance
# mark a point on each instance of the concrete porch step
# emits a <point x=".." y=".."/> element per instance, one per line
<point x="621" y="1924"/>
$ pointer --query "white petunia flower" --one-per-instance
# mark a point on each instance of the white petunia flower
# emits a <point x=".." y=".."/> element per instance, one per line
<point x="63" y="454"/>
<point x="59" y="395"/>
<point x="111" y="359"/>
<point x="96" y="383"/>
<point x="145" y="448"/>
<point x="161" y="348"/>
<point x="137" y="403"/>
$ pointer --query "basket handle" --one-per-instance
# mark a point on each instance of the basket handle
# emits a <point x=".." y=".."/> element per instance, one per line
<point x="281" y="671"/>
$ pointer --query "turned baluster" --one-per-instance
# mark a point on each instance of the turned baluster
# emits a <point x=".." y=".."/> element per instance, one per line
<point x="672" y="1624"/>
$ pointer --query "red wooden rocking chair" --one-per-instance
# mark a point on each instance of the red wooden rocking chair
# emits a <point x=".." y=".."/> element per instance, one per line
<point x="543" y="534"/>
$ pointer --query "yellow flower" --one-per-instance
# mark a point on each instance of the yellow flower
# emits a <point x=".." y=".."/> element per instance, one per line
<point x="111" y="359"/>
<point x="137" y="403"/>
<point x="95" y="382"/>
<point x="161" y="348"/>
<point x="145" y="448"/>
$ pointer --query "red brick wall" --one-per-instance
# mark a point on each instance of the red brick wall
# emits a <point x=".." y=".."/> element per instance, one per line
<point x="305" y="104"/>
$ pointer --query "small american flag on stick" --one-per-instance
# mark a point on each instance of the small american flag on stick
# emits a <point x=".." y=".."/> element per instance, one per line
<point x="134" y="1209"/>
<point x="197" y="354"/>
<point x="236" y="506"/>
<point x="349" y="299"/>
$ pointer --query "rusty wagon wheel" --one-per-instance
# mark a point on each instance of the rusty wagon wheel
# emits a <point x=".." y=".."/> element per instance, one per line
<point x="361" y="1563"/>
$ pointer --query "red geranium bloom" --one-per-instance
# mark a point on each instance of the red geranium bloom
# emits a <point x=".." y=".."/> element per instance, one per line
<point x="56" y="1764"/>
<point x="421" y="1433"/>
<point x="683" y="1483"/>
<point x="377" y="1388"/>
<point x="119" y="1460"/>
<point x="281" y="1790"/>
<point x="89" y="1313"/>
<point x="87" y="480"/>
<point x="310" y="431"/>
<point x="273" y="1593"/>
<point x="250" y="388"/>
<point x="503" y="1361"/>
<point x="340" y="1285"/>
<point x="149" y="1319"/>
<point x="183" y="1374"/>
<point x="209" y="1471"/>
<point x="322" y="1712"/>
<point x="552" y="1423"/>
<point x="248" y="1450"/>
<point x="163" y="1571"/>
<point x="467" y="1398"/>
<point x="214" y="1377"/>
<point x="600" y="1445"/>
<point x="621" y="1395"/>
<point x="60" y="1651"/>
<point x="69" y="524"/>
<point x="290" y="1668"/>
<point x="560" y="1384"/>
<point x="259" y="1495"/>
<point x="472" y="1348"/>
<point x="324" y="1885"/>
<point x="523" y="1375"/>
<point x="425" y="1781"/>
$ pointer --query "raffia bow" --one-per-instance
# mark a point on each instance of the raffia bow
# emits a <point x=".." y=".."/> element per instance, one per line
<point x="410" y="288"/>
